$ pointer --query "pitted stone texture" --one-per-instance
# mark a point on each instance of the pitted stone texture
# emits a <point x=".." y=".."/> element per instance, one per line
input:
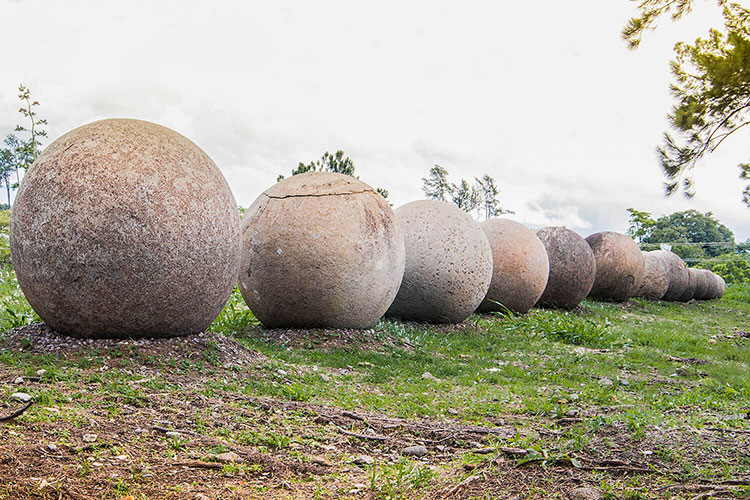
<point x="687" y="295"/>
<point x="572" y="267"/>
<point x="320" y="250"/>
<point x="716" y="286"/>
<point x="448" y="263"/>
<point x="619" y="266"/>
<point x="124" y="228"/>
<point x="655" y="281"/>
<point x="678" y="276"/>
<point x="520" y="267"/>
<point x="701" y="284"/>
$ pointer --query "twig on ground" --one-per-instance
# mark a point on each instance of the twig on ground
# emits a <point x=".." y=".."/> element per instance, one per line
<point x="17" y="413"/>
<point x="199" y="465"/>
<point x="362" y="436"/>
<point x="463" y="484"/>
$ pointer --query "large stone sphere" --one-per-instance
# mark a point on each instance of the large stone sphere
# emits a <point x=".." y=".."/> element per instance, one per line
<point x="619" y="266"/>
<point x="655" y="281"/>
<point x="701" y="284"/>
<point x="520" y="267"/>
<point x="678" y="276"/>
<point x="572" y="267"/>
<point x="125" y="228"/>
<point x="687" y="295"/>
<point x="320" y="250"/>
<point x="448" y="263"/>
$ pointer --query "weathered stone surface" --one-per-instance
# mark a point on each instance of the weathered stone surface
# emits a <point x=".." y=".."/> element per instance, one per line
<point x="701" y="284"/>
<point x="655" y="281"/>
<point x="124" y="228"/>
<point x="619" y="266"/>
<point x="448" y="263"/>
<point x="572" y="267"/>
<point x="320" y="250"/>
<point x="722" y="287"/>
<point x="712" y="286"/>
<point x="687" y="295"/>
<point x="520" y="266"/>
<point x="678" y="276"/>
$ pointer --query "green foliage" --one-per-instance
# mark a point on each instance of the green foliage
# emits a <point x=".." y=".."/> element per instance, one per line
<point x="336" y="163"/>
<point x="4" y="237"/>
<point x="235" y="317"/>
<point x="15" y="310"/>
<point x="690" y="227"/>
<point x="732" y="267"/>
<point x="641" y="224"/>
<point x="711" y="88"/>
<point x="482" y="196"/>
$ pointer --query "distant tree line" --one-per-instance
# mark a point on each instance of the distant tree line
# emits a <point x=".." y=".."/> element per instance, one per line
<point x="699" y="238"/>
<point x="481" y="196"/>
<point x="20" y="152"/>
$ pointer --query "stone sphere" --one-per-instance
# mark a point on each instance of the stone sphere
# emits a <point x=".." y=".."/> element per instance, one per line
<point x="520" y="267"/>
<point x="722" y="287"/>
<point x="125" y="228"/>
<point x="687" y="295"/>
<point x="572" y="267"/>
<point x="320" y="250"/>
<point x="619" y="266"/>
<point x="448" y="263"/>
<point x="655" y="281"/>
<point x="701" y="284"/>
<point x="716" y="286"/>
<point x="678" y="276"/>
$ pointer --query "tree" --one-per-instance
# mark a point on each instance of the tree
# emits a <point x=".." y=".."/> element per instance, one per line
<point x="481" y="196"/>
<point x="29" y="148"/>
<point x="464" y="196"/>
<point x="336" y="163"/>
<point x="703" y="234"/>
<point x="641" y="224"/>
<point x="711" y="89"/>
<point x="7" y="166"/>
<point x="436" y="184"/>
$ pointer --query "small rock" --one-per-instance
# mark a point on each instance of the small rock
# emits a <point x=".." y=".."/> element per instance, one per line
<point x="440" y="447"/>
<point x="21" y="396"/>
<point x="122" y="458"/>
<point x="429" y="376"/>
<point x="320" y="460"/>
<point x="90" y="438"/>
<point x="324" y="377"/>
<point x="363" y="460"/>
<point x="40" y="373"/>
<point x="52" y="447"/>
<point x="452" y="411"/>
<point x="18" y="381"/>
<point x="711" y="341"/>
<point x="295" y="446"/>
<point x="606" y="382"/>
<point x="173" y="435"/>
<point x="201" y="496"/>
<point x="625" y="382"/>
<point x="483" y="451"/>
<point x="415" y="451"/>
<point x="229" y="457"/>
<point x="585" y="493"/>
<point x="281" y="372"/>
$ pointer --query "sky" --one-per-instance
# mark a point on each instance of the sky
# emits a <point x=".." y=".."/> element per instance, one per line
<point x="544" y="96"/>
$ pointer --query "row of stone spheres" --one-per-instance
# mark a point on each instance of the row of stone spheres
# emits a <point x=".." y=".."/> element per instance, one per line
<point x="124" y="228"/>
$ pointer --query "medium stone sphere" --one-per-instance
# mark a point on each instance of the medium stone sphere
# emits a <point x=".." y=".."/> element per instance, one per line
<point x="320" y="250"/>
<point x="572" y="267"/>
<point x="722" y="287"/>
<point x="701" y="284"/>
<point x="619" y="266"/>
<point x="712" y="286"/>
<point x="655" y="281"/>
<point x="687" y="295"/>
<point x="678" y="276"/>
<point x="125" y="228"/>
<point x="448" y="263"/>
<point x="520" y="267"/>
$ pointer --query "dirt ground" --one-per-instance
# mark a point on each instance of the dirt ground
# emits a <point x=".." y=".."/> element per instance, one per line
<point x="91" y="436"/>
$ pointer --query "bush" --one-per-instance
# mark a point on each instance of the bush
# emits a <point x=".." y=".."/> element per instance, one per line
<point x="732" y="267"/>
<point x="4" y="241"/>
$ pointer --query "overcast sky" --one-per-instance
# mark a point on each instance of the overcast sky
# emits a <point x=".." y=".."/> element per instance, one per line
<point x="544" y="96"/>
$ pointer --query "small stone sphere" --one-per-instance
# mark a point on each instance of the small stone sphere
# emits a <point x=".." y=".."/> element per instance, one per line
<point x="712" y="286"/>
<point x="701" y="284"/>
<point x="722" y="287"/>
<point x="678" y="276"/>
<point x="125" y="228"/>
<point x="320" y="250"/>
<point x="619" y="266"/>
<point x="687" y="295"/>
<point x="655" y="281"/>
<point x="572" y="267"/>
<point x="448" y="263"/>
<point x="520" y="267"/>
